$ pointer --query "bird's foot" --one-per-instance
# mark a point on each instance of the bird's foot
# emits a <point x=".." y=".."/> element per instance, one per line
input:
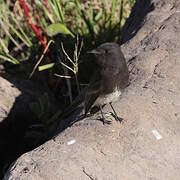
<point x="108" y="122"/>
<point x="104" y="121"/>
<point x="117" y="118"/>
<point x="107" y="114"/>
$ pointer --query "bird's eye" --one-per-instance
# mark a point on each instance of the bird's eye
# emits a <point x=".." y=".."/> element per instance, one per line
<point x="106" y="51"/>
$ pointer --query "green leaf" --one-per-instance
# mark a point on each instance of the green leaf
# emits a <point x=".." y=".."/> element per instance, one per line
<point x="8" y="57"/>
<point x="44" y="67"/>
<point x="57" y="28"/>
<point x="99" y="15"/>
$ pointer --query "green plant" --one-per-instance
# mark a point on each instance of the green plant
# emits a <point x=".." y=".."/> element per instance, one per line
<point x="11" y="31"/>
<point x="95" y="21"/>
<point x="54" y="25"/>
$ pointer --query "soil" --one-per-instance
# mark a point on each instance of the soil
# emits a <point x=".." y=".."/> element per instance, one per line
<point x="146" y="145"/>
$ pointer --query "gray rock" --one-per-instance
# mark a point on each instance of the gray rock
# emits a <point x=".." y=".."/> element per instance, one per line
<point x="130" y="150"/>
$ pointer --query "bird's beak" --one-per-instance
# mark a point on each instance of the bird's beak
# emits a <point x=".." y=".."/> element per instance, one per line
<point x="94" y="51"/>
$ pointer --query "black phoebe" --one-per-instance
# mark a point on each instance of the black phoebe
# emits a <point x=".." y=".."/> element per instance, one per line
<point x="110" y="78"/>
<point x="107" y="83"/>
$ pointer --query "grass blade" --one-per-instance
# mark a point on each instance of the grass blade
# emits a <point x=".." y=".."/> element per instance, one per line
<point x="45" y="67"/>
<point x="57" y="28"/>
<point x="8" y="57"/>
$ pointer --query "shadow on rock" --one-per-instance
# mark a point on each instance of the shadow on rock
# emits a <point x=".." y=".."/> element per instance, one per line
<point x="136" y="19"/>
<point x="14" y="127"/>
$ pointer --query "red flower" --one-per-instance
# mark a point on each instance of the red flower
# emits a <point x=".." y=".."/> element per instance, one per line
<point x="36" y="28"/>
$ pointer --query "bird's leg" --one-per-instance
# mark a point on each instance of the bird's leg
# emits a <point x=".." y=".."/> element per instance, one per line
<point x="115" y="114"/>
<point x="103" y="118"/>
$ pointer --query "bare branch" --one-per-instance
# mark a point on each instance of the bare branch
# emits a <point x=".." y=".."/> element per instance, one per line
<point x="67" y="77"/>
<point x="67" y="67"/>
<point x="66" y="54"/>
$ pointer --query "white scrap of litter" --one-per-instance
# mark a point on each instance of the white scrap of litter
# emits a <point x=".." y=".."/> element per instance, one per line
<point x="156" y="134"/>
<point x="71" y="142"/>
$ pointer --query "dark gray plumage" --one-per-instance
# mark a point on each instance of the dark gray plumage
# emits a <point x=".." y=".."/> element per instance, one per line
<point x="110" y="77"/>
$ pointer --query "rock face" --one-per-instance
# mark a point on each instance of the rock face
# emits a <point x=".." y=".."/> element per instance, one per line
<point x="7" y="97"/>
<point x="15" y="116"/>
<point x="151" y="105"/>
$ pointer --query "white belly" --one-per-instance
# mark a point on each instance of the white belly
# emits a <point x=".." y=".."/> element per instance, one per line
<point x="112" y="97"/>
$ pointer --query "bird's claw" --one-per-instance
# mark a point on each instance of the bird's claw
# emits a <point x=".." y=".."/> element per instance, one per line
<point x="121" y="120"/>
<point x="118" y="119"/>
<point x="108" y="122"/>
<point x="104" y="121"/>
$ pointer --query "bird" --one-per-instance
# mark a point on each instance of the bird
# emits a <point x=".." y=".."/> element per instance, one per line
<point x="109" y="80"/>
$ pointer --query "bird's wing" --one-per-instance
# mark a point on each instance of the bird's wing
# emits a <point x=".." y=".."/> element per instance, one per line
<point x="93" y="91"/>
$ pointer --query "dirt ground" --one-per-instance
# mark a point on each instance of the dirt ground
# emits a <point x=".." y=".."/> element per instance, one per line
<point x="147" y="145"/>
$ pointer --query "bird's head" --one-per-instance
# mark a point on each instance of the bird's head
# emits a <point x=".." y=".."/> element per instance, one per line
<point x="106" y="52"/>
<point x="109" y="56"/>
